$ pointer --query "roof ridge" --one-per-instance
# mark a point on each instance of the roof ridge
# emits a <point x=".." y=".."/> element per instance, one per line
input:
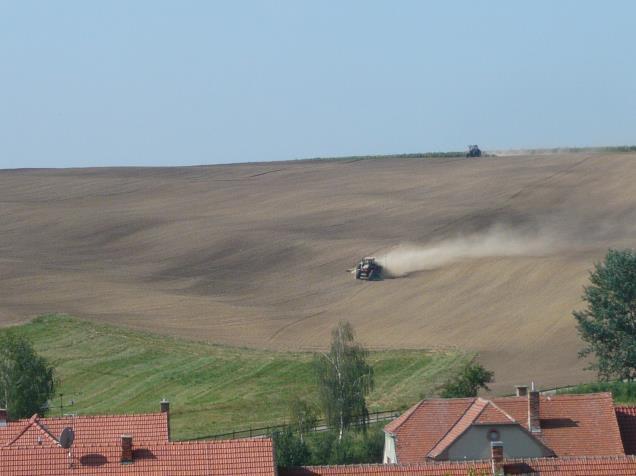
<point x="559" y="396"/>
<point x="109" y="415"/>
<point x="237" y="441"/>
<point x="409" y="413"/>
<point x="163" y="444"/>
<point x="442" y="399"/>
<point x="46" y="431"/>
<point x="574" y="458"/>
<point x="506" y="414"/>
<point x="466" y="410"/>
<point x="33" y="422"/>
<point x="406" y="465"/>
<point x="488" y="461"/>
<point x="485" y="405"/>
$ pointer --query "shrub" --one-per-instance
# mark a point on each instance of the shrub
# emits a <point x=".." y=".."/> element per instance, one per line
<point x="471" y="378"/>
<point x="290" y="449"/>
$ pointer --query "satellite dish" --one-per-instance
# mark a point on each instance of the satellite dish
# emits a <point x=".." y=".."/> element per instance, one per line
<point x="67" y="437"/>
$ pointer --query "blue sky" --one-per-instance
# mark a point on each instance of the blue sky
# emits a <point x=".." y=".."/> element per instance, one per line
<point x="186" y="82"/>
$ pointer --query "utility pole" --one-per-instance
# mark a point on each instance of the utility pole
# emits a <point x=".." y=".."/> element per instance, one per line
<point x="70" y="403"/>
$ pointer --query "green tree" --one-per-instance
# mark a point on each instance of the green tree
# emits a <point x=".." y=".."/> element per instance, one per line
<point x="344" y="379"/>
<point x="26" y="379"/>
<point x="468" y="382"/>
<point x="608" y="325"/>
<point x="290" y="450"/>
<point x="356" y="447"/>
<point x="303" y="417"/>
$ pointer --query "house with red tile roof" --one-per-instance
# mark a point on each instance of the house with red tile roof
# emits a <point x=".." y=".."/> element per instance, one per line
<point x="123" y="444"/>
<point x="96" y="430"/>
<point x="528" y="434"/>
<point x="194" y="458"/>
<point x="530" y="425"/>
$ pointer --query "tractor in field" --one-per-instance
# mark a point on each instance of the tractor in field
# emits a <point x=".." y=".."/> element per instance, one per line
<point x="473" y="151"/>
<point x="368" y="269"/>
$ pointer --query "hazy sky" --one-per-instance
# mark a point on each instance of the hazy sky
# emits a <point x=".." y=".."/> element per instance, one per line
<point x="166" y="83"/>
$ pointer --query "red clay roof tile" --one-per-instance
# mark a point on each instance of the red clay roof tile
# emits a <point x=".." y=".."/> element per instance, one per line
<point x="626" y="417"/>
<point x="29" y="447"/>
<point x="426" y="423"/>
<point x="567" y="466"/>
<point x="481" y="411"/>
<point x="493" y="415"/>
<point x="34" y="432"/>
<point x="433" y="468"/>
<point x="464" y="422"/>
<point x="572" y="425"/>
<point x="212" y="458"/>
<point x="94" y="430"/>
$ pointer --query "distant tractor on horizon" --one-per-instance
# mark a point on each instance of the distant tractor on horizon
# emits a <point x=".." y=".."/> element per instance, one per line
<point x="473" y="151"/>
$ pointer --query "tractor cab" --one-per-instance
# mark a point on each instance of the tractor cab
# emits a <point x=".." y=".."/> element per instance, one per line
<point x="368" y="268"/>
<point x="473" y="151"/>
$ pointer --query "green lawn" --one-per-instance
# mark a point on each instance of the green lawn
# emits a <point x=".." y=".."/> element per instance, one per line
<point x="623" y="392"/>
<point x="212" y="388"/>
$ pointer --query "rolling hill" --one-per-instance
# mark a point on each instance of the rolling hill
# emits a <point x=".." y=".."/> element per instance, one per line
<point x="255" y="254"/>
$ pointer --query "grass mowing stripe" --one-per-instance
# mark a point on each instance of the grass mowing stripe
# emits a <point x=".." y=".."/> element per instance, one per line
<point x="624" y="393"/>
<point x="212" y="388"/>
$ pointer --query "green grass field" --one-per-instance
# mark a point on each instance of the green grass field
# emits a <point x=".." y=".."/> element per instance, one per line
<point x="623" y="392"/>
<point x="212" y="388"/>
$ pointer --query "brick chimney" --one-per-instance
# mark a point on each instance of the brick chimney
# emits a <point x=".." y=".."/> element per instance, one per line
<point x="521" y="390"/>
<point x="165" y="408"/>
<point x="4" y="417"/>
<point x="126" y="449"/>
<point x="497" y="458"/>
<point x="534" y="411"/>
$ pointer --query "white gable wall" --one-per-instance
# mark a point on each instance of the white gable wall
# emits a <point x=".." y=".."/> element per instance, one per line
<point x="389" y="449"/>
<point x="474" y="443"/>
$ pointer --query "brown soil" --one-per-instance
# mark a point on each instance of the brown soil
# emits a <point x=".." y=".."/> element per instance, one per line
<point x="256" y="254"/>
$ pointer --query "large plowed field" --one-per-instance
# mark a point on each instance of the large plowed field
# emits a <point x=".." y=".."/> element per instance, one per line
<point x="256" y="254"/>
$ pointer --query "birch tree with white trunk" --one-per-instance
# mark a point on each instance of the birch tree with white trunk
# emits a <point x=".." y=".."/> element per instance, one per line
<point x="344" y="380"/>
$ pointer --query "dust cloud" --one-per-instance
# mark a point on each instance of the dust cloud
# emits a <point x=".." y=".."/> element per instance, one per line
<point x="496" y="241"/>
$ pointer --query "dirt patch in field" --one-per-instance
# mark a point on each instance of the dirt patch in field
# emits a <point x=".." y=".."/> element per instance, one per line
<point x="497" y="251"/>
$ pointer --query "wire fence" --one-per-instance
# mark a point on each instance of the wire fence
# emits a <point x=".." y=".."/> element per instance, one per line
<point x="322" y="425"/>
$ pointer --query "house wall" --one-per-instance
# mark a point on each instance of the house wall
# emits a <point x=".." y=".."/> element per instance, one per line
<point x="389" y="449"/>
<point x="474" y="443"/>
